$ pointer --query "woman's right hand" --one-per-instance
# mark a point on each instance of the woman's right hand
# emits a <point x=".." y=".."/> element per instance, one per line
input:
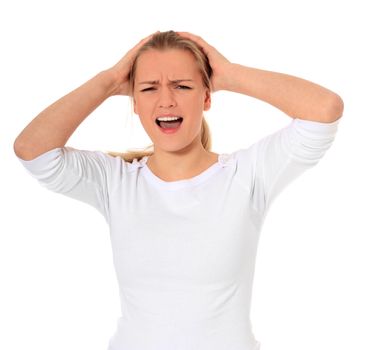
<point x="120" y="71"/>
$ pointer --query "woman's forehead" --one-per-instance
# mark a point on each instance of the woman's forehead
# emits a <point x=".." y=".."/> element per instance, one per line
<point x="175" y="64"/>
<point x="167" y="54"/>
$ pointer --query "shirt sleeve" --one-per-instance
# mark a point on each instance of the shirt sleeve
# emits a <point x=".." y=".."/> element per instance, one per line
<point x="276" y="160"/>
<point x="79" y="174"/>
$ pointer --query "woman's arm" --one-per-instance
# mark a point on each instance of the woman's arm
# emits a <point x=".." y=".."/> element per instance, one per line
<point x="298" y="98"/>
<point x="54" y="125"/>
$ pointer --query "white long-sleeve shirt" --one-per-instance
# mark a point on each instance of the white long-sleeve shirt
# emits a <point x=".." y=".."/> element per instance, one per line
<point x="184" y="251"/>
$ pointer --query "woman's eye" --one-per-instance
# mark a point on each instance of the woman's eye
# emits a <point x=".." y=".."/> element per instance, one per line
<point x="182" y="87"/>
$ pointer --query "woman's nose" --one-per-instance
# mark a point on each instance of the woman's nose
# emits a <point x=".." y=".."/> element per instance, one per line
<point x="166" y="98"/>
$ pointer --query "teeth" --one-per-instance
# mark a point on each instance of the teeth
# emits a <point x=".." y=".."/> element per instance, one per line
<point x="163" y="119"/>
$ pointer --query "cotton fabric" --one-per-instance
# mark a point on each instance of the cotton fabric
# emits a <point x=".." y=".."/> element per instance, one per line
<point x="184" y="251"/>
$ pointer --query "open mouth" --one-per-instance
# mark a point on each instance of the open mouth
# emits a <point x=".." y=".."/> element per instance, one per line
<point x="173" y="123"/>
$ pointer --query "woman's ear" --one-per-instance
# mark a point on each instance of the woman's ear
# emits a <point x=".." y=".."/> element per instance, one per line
<point x="207" y="100"/>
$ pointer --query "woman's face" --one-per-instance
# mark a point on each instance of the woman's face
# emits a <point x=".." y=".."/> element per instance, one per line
<point x="169" y="83"/>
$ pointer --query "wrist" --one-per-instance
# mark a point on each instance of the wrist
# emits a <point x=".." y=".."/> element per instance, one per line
<point x="232" y="77"/>
<point x="110" y="81"/>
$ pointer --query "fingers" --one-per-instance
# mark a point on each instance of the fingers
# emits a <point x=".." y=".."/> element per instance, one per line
<point x="144" y="41"/>
<point x="198" y="39"/>
<point x="132" y="52"/>
<point x="149" y="37"/>
<point x="188" y="34"/>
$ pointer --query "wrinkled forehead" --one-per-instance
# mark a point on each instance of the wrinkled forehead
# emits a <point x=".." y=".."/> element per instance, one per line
<point x="168" y="65"/>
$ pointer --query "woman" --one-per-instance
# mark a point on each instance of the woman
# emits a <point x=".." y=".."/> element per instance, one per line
<point x="184" y="221"/>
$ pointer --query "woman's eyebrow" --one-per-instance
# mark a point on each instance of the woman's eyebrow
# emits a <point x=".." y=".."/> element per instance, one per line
<point x="156" y="82"/>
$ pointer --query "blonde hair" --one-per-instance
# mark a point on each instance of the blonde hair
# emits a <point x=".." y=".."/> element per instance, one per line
<point x="164" y="41"/>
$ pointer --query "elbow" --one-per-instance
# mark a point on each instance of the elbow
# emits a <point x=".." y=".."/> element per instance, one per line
<point x="334" y="109"/>
<point x="21" y="151"/>
<point x="17" y="147"/>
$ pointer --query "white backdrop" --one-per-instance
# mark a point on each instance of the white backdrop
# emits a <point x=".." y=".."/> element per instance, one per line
<point x="312" y="287"/>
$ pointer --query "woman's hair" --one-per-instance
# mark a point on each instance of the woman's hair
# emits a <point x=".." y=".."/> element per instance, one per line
<point x="163" y="41"/>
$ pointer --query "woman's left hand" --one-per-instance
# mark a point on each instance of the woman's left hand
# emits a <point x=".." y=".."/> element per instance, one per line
<point x="220" y="64"/>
